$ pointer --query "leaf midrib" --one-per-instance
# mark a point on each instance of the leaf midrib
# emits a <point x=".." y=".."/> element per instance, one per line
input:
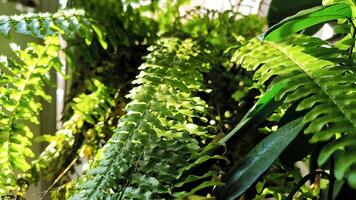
<point x="301" y="66"/>
<point x="22" y="90"/>
<point x="133" y="133"/>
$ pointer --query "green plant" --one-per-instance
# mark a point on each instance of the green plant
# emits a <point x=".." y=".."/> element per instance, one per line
<point x="315" y="78"/>
<point x="165" y="112"/>
<point x="88" y="109"/>
<point x="23" y="80"/>
<point x="163" y="105"/>
<point x="164" y="120"/>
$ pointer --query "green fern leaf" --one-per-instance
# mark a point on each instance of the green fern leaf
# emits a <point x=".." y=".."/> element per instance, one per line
<point x="159" y="135"/>
<point x="40" y="25"/>
<point x="20" y="83"/>
<point x="322" y="79"/>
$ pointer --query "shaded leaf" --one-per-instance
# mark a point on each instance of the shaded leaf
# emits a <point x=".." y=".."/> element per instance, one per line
<point x="259" y="159"/>
<point x="264" y="107"/>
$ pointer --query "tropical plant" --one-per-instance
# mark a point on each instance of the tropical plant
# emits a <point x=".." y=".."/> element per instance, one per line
<point x="313" y="80"/>
<point x="169" y="105"/>
<point x="167" y="109"/>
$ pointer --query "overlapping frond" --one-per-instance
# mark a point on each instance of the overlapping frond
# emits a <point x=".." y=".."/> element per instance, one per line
<point x="322" y="80"/>
<point x="67" y="22"/>
<point x="22" y="83"/>
<point x="160" y="136"/>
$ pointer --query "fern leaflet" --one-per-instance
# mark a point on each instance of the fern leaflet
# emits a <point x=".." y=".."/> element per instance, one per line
<point x="160" y="135"/>
<point x="40" y="25"/>
<point x="21" y="82"/>
<point x="322" y="79"/>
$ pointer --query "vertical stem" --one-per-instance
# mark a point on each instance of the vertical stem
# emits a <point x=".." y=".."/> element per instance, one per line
<point x="59" y="177"/>
<point x="331" y="179"/>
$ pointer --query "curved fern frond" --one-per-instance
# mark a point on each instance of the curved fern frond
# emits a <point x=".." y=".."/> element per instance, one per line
<point x="160" y="135"/>
<point x="67" y="22"/>
<point x="87" y="109"/>
<point x="322" y="79"/>
<point x="21" y="83"/>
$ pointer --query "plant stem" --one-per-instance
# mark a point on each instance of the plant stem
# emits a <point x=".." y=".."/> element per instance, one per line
<point x="331" y="179"/>
<point x="305" y="179"/>
<point x="59" y="177"/>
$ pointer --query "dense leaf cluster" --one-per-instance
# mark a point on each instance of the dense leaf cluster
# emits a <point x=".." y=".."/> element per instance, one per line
<point x="155" y="95"/>
<point x="316" y="80"/>
<point x="21" y="82"/>
<point x="40" y="25"/>
<point x="160" y="134"/>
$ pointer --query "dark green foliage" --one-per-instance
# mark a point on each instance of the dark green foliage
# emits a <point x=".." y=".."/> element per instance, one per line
<point x="311" y="75"/>
<point x="320" y="82"/>
<point x="263" y="108"/>
<point x="218" y="29"/>
<point x="127" y="16"/>
<point x="260" y="159"/>
<point x="311" y="69"/>
<point x="280" y="9"/>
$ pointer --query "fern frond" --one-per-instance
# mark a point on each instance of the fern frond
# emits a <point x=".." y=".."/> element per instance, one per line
<point x="21" y="83"/>
<point x="40" y="25"/>
<point x="321" y="79"/>
<point x="159" y="135"/>
<point x="87" y="108"/>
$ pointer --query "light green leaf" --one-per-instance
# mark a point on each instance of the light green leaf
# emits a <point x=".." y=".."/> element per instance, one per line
<point x="101" y="36"/>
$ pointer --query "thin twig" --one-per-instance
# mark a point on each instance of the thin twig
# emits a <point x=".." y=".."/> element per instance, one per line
<point x="331" y="179"/>
<point x="59" y="177"/>
<point x="39" y="193"/>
